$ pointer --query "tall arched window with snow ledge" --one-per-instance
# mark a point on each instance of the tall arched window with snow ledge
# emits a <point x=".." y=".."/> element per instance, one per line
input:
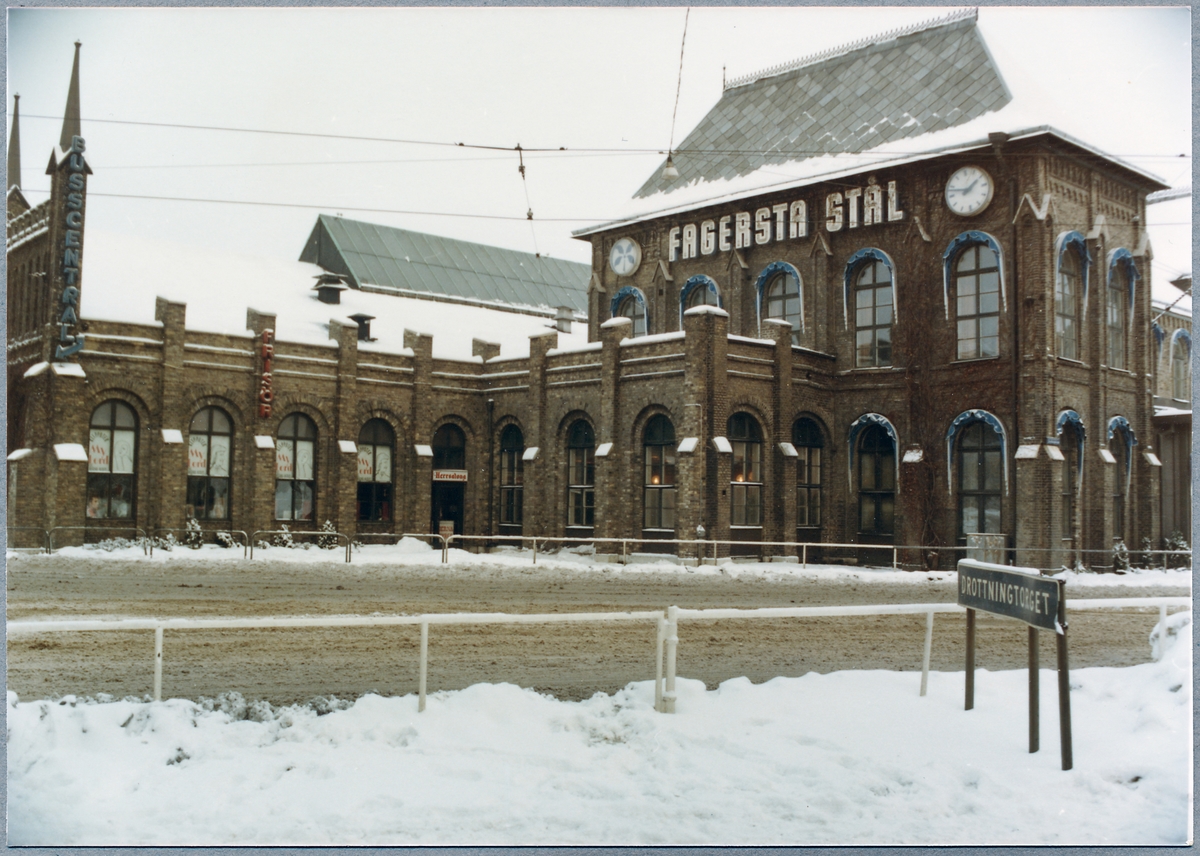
<point x="112" y="461"/>
<point x="210" y="454"/>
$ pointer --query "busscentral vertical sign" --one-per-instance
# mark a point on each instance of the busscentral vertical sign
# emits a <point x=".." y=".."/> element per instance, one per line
<point x="70" y="342"/>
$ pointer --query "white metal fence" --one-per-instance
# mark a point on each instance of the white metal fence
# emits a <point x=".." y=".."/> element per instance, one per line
<point x="666" y="624"/>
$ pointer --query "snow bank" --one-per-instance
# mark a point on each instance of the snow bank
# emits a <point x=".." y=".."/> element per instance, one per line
<point x="843" y="758"/>
<point x="411" y="552"/>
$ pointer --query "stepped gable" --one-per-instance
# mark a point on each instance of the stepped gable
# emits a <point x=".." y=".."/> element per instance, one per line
<point x="399" y="261"/>
<point x="902" y="84"/>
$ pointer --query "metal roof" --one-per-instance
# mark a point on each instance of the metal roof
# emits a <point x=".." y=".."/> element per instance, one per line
<point x="902" y="84"/>
<point x="414" y="262"/>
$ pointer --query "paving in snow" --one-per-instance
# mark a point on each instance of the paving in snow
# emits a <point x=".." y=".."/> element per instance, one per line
<point x="853" y="757"/>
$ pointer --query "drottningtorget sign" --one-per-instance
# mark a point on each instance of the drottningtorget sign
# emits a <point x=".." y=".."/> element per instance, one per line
<point x="1025" y="595"/>
<point x="1012" y="592"/>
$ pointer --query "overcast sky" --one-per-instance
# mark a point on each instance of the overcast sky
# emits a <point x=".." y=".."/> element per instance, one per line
<point x="599" y="79"/>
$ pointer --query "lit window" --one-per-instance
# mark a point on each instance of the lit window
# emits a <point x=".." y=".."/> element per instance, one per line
<point x="581" y="475"/>
<point x="659" y="474"/>
<point x="980" y="479"/>
<point x="295" y="468"/>
<point x="745" y="493"/>
<point x="873" y="315"/>
<point x="781" y="299"/>
<point x="112" y="456"/>
<point x="807" y="438"/>
<point x="977" y="288"/>
<point x="376" y="441"/>
<point x="512" y="479"/>
<point x="1067" y="290"/>
<point x="210" y="440"/>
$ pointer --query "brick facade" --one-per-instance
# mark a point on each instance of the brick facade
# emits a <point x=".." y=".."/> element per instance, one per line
<point x="698" y="369"/>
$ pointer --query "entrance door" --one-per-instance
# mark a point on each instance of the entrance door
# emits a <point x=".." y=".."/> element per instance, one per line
<point x="447" y="504"/>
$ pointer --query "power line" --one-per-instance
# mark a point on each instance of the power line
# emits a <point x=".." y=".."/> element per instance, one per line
<point x="257" y="204"/>
<point x="544" y="150"/>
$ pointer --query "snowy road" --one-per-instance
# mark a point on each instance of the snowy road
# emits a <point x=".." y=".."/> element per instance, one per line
<point x="570" y="662"/>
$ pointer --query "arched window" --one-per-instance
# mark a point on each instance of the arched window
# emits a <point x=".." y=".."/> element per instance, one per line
<point x="876" y="482"/>
<point x="873" y="303"/>
<point x="977" y="290"/>
<point x="1181" y="368"/>
<point x="1068" y="287"/>
<point x="210" y="449"/>
<point x="376" y="441"/>
<point x="1069" y="446"/>
<point x="449" y="448"/>
<point x="581" y="475"/>
<point x="745" y="490"/>
<point x="781" y="299"/>
<point x="295" y="468"/>
<point x="1117" y="315"/>
<point x="980" y="479"/>
<point x="512" y="480"/>
<point x="808" y="440"/>
<point x="1117" y="445"/>
<point x="633" y="307"/>
<point x="658" y="494"/>
<point x="112" y="457"/>
<point x="700" y="294"/>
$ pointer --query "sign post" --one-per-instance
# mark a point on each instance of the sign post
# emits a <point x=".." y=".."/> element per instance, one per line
<point x="1023" y="594"/>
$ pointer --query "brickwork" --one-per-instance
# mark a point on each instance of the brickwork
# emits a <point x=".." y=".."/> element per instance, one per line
<point x="697" y="369"/>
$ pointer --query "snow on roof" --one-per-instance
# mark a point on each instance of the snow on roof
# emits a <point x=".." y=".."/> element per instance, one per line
<point x="122" y="276"/>
<point x="1025" y="115"/>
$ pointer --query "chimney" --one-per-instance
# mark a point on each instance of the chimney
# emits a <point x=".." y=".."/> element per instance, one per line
<point x="364" y="326"/>
<point x="329" y="287"/>
<point x="562" y="320"/>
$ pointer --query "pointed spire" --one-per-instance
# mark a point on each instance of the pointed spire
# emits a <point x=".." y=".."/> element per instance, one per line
<point x="71" y="126"/>
<point x="14" y="146"/>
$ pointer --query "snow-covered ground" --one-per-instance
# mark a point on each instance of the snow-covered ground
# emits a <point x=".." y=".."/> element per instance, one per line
<point x="843" y="758"/>
<point x="411" y="552"/>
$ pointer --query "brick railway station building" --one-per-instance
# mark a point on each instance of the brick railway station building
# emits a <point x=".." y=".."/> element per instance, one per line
<point x="887" y="348"/>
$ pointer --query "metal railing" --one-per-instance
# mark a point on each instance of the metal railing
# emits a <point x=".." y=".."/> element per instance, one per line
<point x="45" y="537"/>
<point x="666" y="628"/>
<point x="97" y="527"/>
<point x="304" y="533"/>
<point x="398" y="537"/>
<point x="245" y="539"/>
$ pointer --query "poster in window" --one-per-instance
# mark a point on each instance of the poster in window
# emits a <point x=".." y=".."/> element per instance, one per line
<point x="283" y="462"/>
<point x="218" y="463"/>
<point x="122" y="452"/>
<point x="304" y="460"/>
<point x="383" y="464"/>
<point x="99" y="443"/>
<point x="197" y="454"/>
<point x="366" y="469"/>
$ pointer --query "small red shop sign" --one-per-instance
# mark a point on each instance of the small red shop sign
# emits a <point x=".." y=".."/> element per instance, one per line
<point x="265" y="392"/>
<point x="450" y="475"/>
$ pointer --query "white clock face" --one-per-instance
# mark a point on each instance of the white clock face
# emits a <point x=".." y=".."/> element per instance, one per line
<point x="969" y="191"/>
<point x="625" y="257"/>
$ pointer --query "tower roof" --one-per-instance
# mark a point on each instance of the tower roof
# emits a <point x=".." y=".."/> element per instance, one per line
<point x="14" y="146"/>
<point x="902" y="84"/>
<point x="71" y="125"/>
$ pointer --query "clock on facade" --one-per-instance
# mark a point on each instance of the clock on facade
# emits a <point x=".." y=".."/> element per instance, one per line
<point x="969" y="190"/>
<point x="625" y="257"/>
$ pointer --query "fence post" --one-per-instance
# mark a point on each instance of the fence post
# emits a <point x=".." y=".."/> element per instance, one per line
<point x="895" y="558"/>
<point x="424" y="666"/>
<point x="660" y="636"/>
<point x="672" y="646"/>
<point x="535" y="551"/>
<point x="804" y="556"/>
<point x="158" y="639"/>
<point x="928" y="648"/>
<point x="445" y="549"/>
